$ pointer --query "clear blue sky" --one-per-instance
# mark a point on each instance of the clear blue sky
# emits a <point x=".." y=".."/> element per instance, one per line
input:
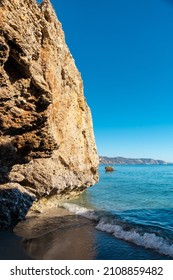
<point x="124" y="51"/>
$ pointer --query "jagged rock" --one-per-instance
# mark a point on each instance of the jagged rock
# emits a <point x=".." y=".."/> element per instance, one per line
<point x="46" y="136"/>
<point x="15" y="202"/>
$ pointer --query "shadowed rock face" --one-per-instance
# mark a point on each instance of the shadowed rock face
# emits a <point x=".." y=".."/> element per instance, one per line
<point x="14" y="205"/>
<point x="47" y="144"/>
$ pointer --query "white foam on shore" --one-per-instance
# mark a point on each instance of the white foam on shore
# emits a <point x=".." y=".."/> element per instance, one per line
<point x="147" y="240"/>
<point x="82" y="211"/>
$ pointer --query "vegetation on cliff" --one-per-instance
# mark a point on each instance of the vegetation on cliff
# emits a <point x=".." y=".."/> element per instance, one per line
<point x="122" y="160"/>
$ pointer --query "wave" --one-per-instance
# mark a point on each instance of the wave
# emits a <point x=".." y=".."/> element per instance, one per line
<point x="123" y="230"/>
<point x="147" y="240"/>
<point x="82" y="211"/>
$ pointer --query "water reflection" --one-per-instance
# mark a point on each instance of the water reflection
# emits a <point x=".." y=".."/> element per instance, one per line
<point x="51" y="238"/>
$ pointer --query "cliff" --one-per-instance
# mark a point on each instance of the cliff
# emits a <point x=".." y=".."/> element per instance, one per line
<point x="47" y="145"/>
<point x="122" y="160"/>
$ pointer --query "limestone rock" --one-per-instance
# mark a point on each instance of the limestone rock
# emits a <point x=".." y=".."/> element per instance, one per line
<point x="47" y="143"/>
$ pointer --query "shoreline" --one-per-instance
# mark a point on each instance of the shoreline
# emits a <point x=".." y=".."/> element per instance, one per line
<point x="58" y="234"/>
<point x="54" y="234"/>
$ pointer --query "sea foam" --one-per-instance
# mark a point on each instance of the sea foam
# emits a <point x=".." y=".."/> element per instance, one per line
<point x="82" y="211"/>
<point x="147" y="240"/>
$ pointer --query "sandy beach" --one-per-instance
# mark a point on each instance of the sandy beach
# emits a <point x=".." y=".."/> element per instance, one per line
<point x="59" y="235"/>
<point x="56" y="234"/>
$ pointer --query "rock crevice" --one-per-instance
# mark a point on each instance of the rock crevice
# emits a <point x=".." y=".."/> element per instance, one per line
<point x="46" y="134"/>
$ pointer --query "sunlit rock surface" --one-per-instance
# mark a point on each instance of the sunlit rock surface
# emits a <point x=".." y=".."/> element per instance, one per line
<point x="47" y="144"/>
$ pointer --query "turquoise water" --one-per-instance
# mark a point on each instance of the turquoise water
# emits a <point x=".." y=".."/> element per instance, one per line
<point x="134" y="207"/>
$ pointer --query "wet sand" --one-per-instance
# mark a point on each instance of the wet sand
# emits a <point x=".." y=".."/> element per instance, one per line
<point x="59" y="235"/>
<point x="10" y="247"/>
<point x="56" y="234"/>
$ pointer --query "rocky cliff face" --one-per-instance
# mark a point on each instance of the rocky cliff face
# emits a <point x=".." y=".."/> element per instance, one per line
<point x="47" y="144"/>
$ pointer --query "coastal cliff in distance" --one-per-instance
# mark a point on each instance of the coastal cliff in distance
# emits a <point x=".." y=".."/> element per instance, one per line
<point x="47" y="145"/>
<point x="122" y="160"/>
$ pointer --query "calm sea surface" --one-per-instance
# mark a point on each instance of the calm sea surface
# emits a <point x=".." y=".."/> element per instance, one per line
<point x="133" y="207"/>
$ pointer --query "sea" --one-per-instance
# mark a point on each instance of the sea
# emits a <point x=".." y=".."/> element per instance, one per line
<point x="133" y="210"/>
<point x="127" y="215"/>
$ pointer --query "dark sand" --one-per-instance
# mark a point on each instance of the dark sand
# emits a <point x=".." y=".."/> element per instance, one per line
<point x="60" y="235"/>
<point x="57" y="234"/>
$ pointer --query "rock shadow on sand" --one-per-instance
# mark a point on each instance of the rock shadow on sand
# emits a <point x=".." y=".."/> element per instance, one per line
<point x="57" y="237"/>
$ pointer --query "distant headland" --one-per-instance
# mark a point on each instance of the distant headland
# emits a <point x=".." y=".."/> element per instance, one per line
<point x="122" y="160"/>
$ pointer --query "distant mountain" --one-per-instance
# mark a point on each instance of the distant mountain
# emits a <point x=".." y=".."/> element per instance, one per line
<point x="122" y="160"/>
